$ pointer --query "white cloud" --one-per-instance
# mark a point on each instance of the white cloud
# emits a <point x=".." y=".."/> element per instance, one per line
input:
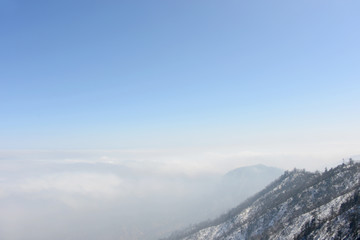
<point x="90" y="184"/>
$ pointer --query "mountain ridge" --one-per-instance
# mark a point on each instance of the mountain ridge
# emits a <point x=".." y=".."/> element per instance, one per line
<point x="297" y="205"/>
<point x="256" y="167"/>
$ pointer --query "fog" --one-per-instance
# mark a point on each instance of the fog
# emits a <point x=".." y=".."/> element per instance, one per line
<point x="113" y="194"/>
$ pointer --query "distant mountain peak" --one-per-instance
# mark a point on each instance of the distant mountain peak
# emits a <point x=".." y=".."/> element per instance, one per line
<point x="254" y="169"/>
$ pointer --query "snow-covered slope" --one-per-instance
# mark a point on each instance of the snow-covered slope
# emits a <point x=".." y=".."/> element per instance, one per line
<point x="298" y="205"/>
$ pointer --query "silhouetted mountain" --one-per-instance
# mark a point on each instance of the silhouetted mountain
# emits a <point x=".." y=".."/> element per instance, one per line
<point x="250" y="171"/>
<point x="239" y="184"/>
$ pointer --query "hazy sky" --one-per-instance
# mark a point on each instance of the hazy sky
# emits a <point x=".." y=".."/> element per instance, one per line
<point x="118" y="117"/>
<point x="265" y="77"/>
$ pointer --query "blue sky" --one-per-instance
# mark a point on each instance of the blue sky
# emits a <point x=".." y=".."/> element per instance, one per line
<point x="153" y="74"/>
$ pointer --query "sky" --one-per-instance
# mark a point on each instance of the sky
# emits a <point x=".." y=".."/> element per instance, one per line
<point x="121" y="118"/>
<point x="278" y="80"/>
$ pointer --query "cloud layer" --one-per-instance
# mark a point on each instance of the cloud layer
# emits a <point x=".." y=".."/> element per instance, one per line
<point x="133" y="194"/>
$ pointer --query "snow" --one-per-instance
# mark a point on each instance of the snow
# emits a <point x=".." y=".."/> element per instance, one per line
<point x="321" y="200"/>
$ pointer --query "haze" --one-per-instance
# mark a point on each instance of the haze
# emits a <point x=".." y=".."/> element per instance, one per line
<point x="118" y="119"/>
